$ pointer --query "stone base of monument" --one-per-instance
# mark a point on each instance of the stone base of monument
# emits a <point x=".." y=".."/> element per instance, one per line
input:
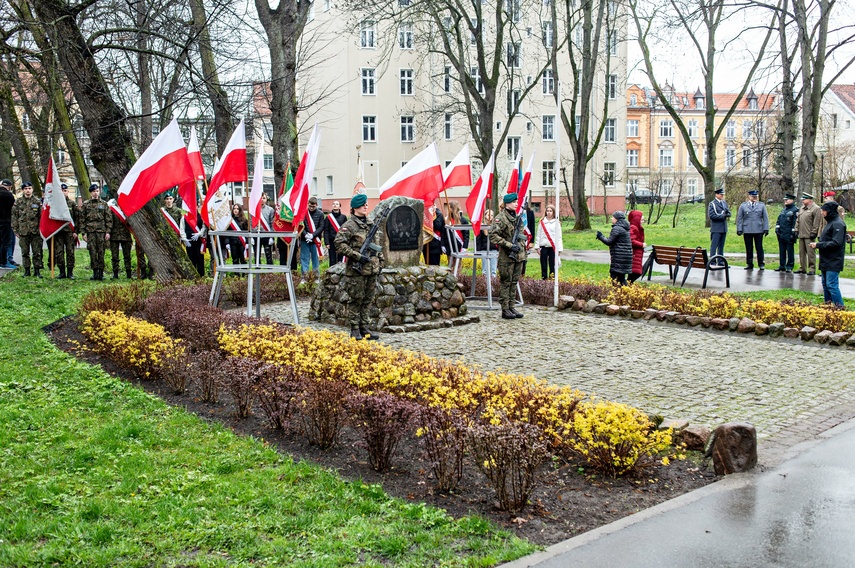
<point x="415" y="298"/>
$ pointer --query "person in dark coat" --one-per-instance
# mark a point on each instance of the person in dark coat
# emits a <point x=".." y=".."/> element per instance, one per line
<point x="636" y="236"/>
<point x="235" y="244"/>
<point x="718" y="213"/>
<point x="620" y="248"/>
<point x="437" y="245"/>
<point x="7" y="200"/>
<point x="785" y="230"/>
<point x="488" y="265"/>
<point x="832" y="248"/>
<point x="332" y="223"/>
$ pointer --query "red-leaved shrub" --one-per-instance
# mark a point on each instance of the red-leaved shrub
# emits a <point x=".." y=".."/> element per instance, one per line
<point x="383" y="420"/>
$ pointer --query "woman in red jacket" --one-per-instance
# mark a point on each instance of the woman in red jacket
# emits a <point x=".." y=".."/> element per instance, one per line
<point x="636" y="235"/>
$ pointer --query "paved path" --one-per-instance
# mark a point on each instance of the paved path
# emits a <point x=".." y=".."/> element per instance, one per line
<point x="789" y="390"/>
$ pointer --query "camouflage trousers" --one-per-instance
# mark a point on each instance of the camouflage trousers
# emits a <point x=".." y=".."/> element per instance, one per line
<point x="509" y="274"/>
<point x="95" y="243"/>
<point x="31" y="242"/>
<point x="63" y="250"/>
<point x="126" y="254"/>
<point x="360" y="291"/>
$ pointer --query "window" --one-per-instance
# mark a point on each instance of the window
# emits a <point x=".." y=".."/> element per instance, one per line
<point x="633" y="100"/>
<point x="693" y="128"/>
<point x="752" y="104"/>
<point x="612" y="42"/>
<point x="666" y="129"/>
<point x="60" y="156"/>
<point x="268" y="161"/>
<point x="326" y="5"/>
<point x="367" y="34"/>
<point x="609" y="174"/>
<point x="329" y="185"/>
<point x="613" y="8"/>
<point x="548" y="34"/>
<point x="632" y="158"/>
<point x="746" y="158"/>
<point x="631" y="128"/>
<point x="548" y="174"/>
<point x="746" y="129"/>
<point x="730" y="130"/>
<point x="87" y="159"/>
<point x="447" y="130"/>
<point x="514" y="10"/>
<point x="406" y="81"/>
<point x="666" y="186"/>
<point x="548" y="82"/>
<point x="447" y="24"/>
<point x="548" y="127"/>
<point x="311" y="16"/>
<point x="578" y="127"/>
<point x="369" y="129"/>
<point x="730" y="157"/>
<point x="609" y="132"/>
<point x="475" y="73"/>
<point x="155" y="129"/>
<point x="513" y="101"/>
<point x="699" y="103"/>
<point x="368" y="76"/>
<point x="473" y="37"/>
<point x="760" y="129"/>
<point x="611" y="87"/>
<point x="666" y="157"/>
<point x="513" y="55"/>
<point x="403" y="3"/>
<point x="405" y="35"/>
<point x="446" y="79"/>
<point x="693" y="186"/>
<point x="408" y="129"/>
<point x="513" y="147"/>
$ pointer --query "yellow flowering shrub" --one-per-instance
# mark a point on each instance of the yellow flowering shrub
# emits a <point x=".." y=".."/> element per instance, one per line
<point x="615" y="438"/>
<point x="130" y="342"/>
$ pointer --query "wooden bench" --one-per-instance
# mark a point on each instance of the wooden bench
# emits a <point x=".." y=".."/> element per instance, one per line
<point x="850" y="236"/>
<point x="688" y="258"/>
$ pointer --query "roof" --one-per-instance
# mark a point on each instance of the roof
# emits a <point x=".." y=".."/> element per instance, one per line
<point x="689" y="101"/>
<point x="846" y="94"/>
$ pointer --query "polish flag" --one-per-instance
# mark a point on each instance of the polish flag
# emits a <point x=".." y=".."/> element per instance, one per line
<point x="298" y="197"/>
<point x="164" y="164"/>
<point x="459" y="172"/>
<point x="514" y="180"/>
<point x="230" y="167"/>
<point x="54" y="214"/>
<point x="475" y="201"/>
<point x="523" y="191"/>
<point x="187" y="191"/>
<point x="195" y="156"/>
<point x="257" y="190"/>
<point x="420" y="178"/>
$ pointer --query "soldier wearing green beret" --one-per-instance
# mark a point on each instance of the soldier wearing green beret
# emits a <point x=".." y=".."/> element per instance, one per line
<point x="511" y="254"/>
<point x="96" y="223"/>
<point x="25" y="223"/>
<point x="358" y="284"/>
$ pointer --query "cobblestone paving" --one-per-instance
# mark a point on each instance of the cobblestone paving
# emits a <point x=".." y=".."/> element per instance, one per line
<point x="789" y="391"/>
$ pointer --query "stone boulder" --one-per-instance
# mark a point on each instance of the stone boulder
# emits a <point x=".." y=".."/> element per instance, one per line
<point x="694" y="437"/>
<point x="761" y="329"/>
<point x="720" y="323"/>
<point x="776" y="329"/>
<point x="838" y="338"/>
<point x="791" y="332"/>
<point x="822" y="337"/>
<point x="746" y="326"/>
<point x="612" y="309"/>
<point x="733" y="448"/>
<point x="807" y="333"/>
<point x="565" y="302"/>
<point x="693" y="320"/>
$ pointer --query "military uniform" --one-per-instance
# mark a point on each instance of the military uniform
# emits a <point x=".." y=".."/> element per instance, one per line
<point x="510" y="270"/>
<point x="120" y="237"/>
<point x="358" y="285"/>
<point x="807" y="229"/>
<point x="175" y="213"/>
<point x="96" y="220"/>
<point x="25" y="223"/>
<point x="64" y="243"/>
<point x="785" y="230"/>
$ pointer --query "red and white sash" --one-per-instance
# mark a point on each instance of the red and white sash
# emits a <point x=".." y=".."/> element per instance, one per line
<point x="236" y="227"/>
<point x="313" y="228"/>
<point x="550" y="239"/>
<point x="334" y="222"/>
<point x="171" y="221"/>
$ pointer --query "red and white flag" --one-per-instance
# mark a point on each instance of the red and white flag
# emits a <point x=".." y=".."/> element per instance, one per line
<point x="298" y="197"/>
<point x="163" y="165"/>
<point x="171" y="221"/>
<point x="117" y="211"/>
<point x="257" y="191"/>
<point x="187" y="191"/>
<point x="478" y="196"/>
<point x="459" y="172"/>
<point x="231" y="167"/>
<point x="55" y="213"/>
<point x="194" y="154"/>
<point x="420" y="178"/>
<point x="522" y="194"/>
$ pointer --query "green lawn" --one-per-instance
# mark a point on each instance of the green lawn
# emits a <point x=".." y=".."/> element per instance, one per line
<point x="96" y="472"/>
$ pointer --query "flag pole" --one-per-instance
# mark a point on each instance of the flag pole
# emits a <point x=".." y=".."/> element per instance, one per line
<point x="52" y="260"/>
<point x="557" y="201"/>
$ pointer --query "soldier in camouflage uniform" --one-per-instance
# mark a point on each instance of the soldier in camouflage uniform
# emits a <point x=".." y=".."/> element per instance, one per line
<point x="358" y="284"/>
<point x="25" y="223"/>
<point x="120" y="237"/>
<point x="510" y="270"/>
<point x="96" y="221"/>
<point x="65" y="240"/>
<point x="172" y="210"/>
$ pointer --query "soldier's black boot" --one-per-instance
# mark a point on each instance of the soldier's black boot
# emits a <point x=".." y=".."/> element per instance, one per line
<point x="508" y="314"/>
<point x="367" y="333"/>
<point x="94" y="274"/>
<point x="37" y="272"/>
<point x="515" y="312"/>
<point x="62" y="273"/>
<point x="26" y="271"/>
<point x="115" y="275"/>
<point x="71" y="274"/>
<point x="355" y="333"/>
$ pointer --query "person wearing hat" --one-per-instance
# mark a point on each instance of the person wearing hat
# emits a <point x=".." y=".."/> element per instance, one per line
<point x="332" y="223"/>
<point x="785" y="230"/>
<point x="359" y="285"/>
<point x="752" y="224"/>
<point x="620" y="248"/>
<point x="120" y="240"/>
<point x="96" y="222"/>
<point x="826" y="197"/>
<point x="807" y="229"/>
<point x="314" y="226"/>
<point x="171" y="209"/>
<point x="65" y="239"/>
<point x="510" y="268"/>
<point x="26" y="214"/>
<point x="7" y="201"/>
<point x="832" y="249"/>
<point x="719" y="213"/>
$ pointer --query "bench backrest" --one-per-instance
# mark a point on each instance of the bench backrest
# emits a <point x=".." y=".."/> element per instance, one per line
<point x="668" y="256"/>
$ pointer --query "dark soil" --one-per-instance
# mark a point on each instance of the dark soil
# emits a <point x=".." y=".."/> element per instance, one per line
<point x="568" y="501"/>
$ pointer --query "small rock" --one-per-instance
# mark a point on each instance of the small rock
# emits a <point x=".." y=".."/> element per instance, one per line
<point x="746" y="326"/>
<point x="680" y="319"/>
<point x="673" y="424"/>
<point x="761" y="328"/>
<point x="706" y="321"/>
<point x="838" y="338"/>
<point x="733" y="324"/>
<point x="565" y="302"/>
<point x="776" y="329"/>
<point x="600" y="308"/>
<point x="733" y="447"/>
<point x="636" y="314"/>
<point x="720" y="323"/>
<point x="579" y="305"/>
<point x="624" y="310"/>
<point x="669" y="316"/>
<point x="694" y="437"/>
<point x="693" y="320"/>
<point x="650" y="313"/>
<point x="612" y="309"/>
<point x="589" y="306"/>
<point x="662" y="315"/>
<point x="791" y="332"/>
<point x="807" y="333"/>
<point x="822" y="337"/>
<point x="851" y="341"/>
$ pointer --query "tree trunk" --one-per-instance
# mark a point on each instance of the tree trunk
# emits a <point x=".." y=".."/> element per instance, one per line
<point x="23" y="155"/>
<point x="112" y="150"/>
<point x="583" y="215"/>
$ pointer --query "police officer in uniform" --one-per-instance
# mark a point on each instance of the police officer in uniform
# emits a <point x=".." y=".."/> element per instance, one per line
<point x="358" y="284"/>
<point x="785" y="229"/>
<point x="96" y="222"/>
<point x="752" y="224"/>
<point x="510" y="270"/>
<point x="25" y="223"/>
<point x="120" y="238"/>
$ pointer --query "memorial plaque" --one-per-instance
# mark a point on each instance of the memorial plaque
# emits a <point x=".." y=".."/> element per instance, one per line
<point x="403" y="228"/>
